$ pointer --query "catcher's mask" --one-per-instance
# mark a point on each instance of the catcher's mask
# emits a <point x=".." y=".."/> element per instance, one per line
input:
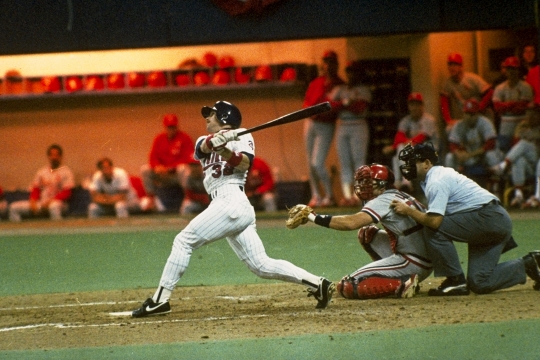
<point x="410" y="155"/>
<point x="366" y="177"/>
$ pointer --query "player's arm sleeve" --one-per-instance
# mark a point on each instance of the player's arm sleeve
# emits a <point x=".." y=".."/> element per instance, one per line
<point x="400" y="138"/>
<point x="153" y="157"/>
<point x="35" y="192"/>
<point x="63" y="195"/>
<point x="199" y="154"/>
<point x="420" y="138"/>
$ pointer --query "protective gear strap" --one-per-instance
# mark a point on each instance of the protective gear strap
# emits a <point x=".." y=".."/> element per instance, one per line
<point x="235" y="159"/>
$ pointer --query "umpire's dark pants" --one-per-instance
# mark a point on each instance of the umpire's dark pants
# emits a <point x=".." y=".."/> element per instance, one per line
<point x="488" y="233"/>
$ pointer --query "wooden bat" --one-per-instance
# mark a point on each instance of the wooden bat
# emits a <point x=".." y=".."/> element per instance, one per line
<point x="292" y="117"/>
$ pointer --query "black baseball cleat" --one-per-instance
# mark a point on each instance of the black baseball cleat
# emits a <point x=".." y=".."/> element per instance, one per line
<point x="532" y="267"/>
<point x="323" y="293"/>
<point x="150" y="308"/>
<point x="451" y="286"/>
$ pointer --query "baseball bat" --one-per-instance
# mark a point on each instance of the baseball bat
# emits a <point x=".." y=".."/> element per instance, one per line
<point x="292" y="117"/>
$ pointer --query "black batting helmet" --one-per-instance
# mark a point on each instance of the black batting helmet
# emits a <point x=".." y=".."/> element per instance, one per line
<point x="226" y="113"/>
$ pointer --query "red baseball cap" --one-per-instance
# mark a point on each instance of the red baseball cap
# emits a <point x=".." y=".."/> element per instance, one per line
<point x="415" y="96"/>
<point x="170" y="120"/>
<point x="471" y="106"/>
<point x="455" y="58"/>
<point x="330" y="55"/>
<point x="511" y="61"/>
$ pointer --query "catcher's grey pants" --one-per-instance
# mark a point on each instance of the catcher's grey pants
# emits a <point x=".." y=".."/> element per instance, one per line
<point x="488" y="233"/>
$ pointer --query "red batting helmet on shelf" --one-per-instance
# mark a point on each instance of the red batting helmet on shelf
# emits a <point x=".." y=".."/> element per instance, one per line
<point x="288" y="74"/>
<point x="182" y="79"/>
<point x="94" y="82"/>
<point x="157" y="79"/>
<point x="135" y="79"/>
<point x="74" y="83"/>
<point x="226" y="61"/>
<point x="263" y="73"/>
<point x="50" y="83"/>
<point x="240" y="77"/>
<point x="115" y="81"/>
<point x="201" y="78"/>
<point x="209" y="59"/>
<point x="221" y="77"/>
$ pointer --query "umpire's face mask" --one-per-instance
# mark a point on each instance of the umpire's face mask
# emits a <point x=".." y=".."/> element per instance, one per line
<point x="408" y="169"/>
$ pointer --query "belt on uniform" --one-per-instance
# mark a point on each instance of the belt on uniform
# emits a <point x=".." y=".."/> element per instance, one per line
<point x="213" y="194"/>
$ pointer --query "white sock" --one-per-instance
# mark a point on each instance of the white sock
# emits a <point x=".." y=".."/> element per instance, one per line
<point x="162" y="295"/>
<point x="502" y="165"/>
<point x="518" y="193"/>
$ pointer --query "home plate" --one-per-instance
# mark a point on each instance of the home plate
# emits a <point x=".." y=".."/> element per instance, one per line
<point x="121" y="313"/>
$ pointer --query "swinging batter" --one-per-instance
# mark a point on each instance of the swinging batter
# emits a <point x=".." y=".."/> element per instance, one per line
<point x="225" y="158"/>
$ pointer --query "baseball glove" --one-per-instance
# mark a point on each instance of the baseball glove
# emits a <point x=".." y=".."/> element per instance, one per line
<point x="298" y="215"/>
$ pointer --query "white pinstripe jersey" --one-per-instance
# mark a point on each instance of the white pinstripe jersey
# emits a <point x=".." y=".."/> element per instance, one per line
<point x="216" y="170"/>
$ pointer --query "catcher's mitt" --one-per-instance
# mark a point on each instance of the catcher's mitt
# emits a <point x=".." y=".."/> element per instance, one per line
<point x="298" y="215"/>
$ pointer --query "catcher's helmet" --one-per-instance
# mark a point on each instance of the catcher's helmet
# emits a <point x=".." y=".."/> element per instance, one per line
<point x="226" y="113"/>
<point x="364" y="177"/>
<point x="410" y="155"/>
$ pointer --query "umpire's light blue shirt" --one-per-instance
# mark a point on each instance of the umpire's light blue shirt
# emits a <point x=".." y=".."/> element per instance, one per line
<point x="449" y="192"/>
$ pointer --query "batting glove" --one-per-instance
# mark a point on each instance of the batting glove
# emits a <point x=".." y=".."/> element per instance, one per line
<point x="230" y="135"/>
<point x="218" y="142"/>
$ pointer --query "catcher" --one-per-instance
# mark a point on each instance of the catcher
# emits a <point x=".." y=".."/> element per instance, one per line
<point x="400" y="259"/>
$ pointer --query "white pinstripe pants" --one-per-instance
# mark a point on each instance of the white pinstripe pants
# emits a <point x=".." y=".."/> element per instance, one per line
<point x="229" y="215"/>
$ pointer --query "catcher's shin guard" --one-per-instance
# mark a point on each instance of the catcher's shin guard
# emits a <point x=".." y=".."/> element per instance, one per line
<point x="369" y="287"/>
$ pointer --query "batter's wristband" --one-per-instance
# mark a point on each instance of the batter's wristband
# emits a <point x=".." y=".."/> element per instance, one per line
<point x="323" y="220"/>
<point x="235" y="159"/>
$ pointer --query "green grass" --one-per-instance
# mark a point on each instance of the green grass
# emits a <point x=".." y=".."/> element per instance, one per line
<point x="71" y="262"/>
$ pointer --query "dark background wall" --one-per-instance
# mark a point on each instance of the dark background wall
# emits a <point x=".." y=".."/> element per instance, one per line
<point x="42" y="26"/>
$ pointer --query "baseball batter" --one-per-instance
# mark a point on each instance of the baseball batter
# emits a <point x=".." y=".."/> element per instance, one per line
<point x="399" y="253"/>
<point x="225" y="159"/>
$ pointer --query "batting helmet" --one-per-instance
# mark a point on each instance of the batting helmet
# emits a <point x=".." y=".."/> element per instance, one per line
<point x="288" y="74"/>
<point x="51" y="83"/>
<point x="182" y="79"/>
<point x="226" y="113"/>
<point x="136" y="79"/>
<point x="157" y="79"/>
<point x="201" y="78"/>
<point x="94" y="82"/>
<point x="364" y="177"/>
<point x="409" y="155"/>
<point x="221" y="77"/>
<point x="240" y="77"/>
<point x="115" y="81"/>
<point x="74" y="83"/>
<point x="263" y="73"/>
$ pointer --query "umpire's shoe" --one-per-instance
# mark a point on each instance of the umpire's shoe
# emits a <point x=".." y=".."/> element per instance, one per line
<point x="451" y="286"/>
<point x="323" y="293"/>
<point x="532" y="267"/>
<point x="150" y="308"/>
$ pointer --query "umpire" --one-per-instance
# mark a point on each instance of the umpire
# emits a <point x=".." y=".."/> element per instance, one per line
<point x="461" y="210"/>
